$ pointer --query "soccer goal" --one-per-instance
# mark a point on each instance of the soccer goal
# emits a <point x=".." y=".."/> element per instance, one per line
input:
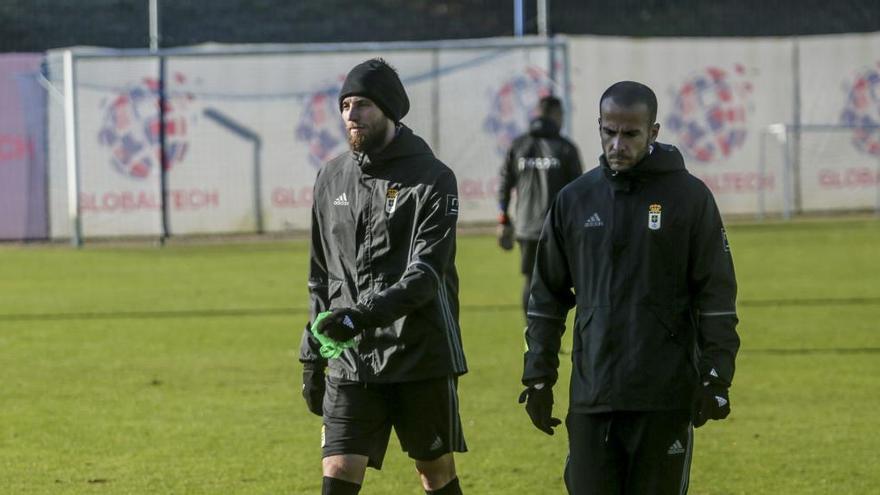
<point x="826" y="168"/>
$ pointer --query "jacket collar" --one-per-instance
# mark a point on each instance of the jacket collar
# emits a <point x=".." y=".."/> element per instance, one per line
<point x="661" y="159"/>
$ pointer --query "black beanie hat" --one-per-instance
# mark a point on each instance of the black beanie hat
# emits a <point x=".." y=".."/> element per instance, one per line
<point x="376" y="80"/>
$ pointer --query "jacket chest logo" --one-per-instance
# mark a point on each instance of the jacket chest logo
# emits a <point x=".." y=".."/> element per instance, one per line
<point x="654" y="216"/>
<point x="391" y="200"/>
<point x="594" y="221"/>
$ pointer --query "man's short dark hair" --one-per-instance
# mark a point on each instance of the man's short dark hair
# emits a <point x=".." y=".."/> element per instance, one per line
<point x="630" y="93"/>
<point x="549" y="104"/>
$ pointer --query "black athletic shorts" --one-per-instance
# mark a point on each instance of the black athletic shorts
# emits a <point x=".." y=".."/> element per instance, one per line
<point x="358" y="418"/>
<point x="528" y="250"/>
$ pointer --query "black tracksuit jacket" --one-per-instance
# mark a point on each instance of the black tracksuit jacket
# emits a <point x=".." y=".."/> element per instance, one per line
<point x="383" y="240"/>
<point x="538" y="165"/>
<point x="643" y="256"/>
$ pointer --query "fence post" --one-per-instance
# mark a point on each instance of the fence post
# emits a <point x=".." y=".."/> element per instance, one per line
<point x="435" y="100"/>
<point x="762" y="169"/>
<point x="518" y="18"/>
<point x="787" y="173"/>
<point x="258" y="187"/>
<point x="163" y="157"/>
<point x="566" y="88"/>
<point x="795" y="157"/>
<point x="70" y="136"/>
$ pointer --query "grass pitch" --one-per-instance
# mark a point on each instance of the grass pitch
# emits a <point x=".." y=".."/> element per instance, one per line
<point x="138" y="370"/>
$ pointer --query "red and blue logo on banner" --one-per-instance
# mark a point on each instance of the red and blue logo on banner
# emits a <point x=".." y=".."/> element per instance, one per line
<point x="863" y="110"/>
<point x="709" y="117"/>
<point x="321" y="125"/>
<point x="513" y="105"/>
<point x="130" y="127"/>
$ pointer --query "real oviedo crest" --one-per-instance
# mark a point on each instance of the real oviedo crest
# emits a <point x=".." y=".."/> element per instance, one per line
<point x="391" y="200"/>
<point x="654" y="216"/>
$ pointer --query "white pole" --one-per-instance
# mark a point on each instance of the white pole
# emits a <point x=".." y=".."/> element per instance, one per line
<point x="762" y="171"/>
<point x="566" y="90"/>
<point x="154" y="25"/>
<point x="795" y="139"/>
<point x="73" y="210"/>
<point x="543" y="26"/>
<point x="787" y="175"/>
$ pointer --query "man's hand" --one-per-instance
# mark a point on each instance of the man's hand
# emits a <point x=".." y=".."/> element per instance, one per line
<point x="712" y="403"/>
<point x="539" y="406"/>
<point x="342" y="324"/>
<point x="505" y="232"/>
<point x="313" y="387"/>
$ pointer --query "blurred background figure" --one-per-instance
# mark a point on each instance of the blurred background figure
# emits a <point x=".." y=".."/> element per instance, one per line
<point x="538" y="165"/>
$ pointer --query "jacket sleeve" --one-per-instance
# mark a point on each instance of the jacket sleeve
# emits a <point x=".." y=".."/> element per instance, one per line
<point x="433" y="250"/>
<point x="712" y="285"/>
<point x="507" y="181"/>
<point x="318" y="296"/>
<point x="550" y="299"/>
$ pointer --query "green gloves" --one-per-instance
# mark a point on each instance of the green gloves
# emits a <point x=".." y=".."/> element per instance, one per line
<point x="330" y="348"/>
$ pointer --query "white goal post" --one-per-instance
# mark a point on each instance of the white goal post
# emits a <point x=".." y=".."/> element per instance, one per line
<point x="825" y="168"/>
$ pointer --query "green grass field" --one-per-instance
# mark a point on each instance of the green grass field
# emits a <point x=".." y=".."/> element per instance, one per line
<point x="173" y="371"/>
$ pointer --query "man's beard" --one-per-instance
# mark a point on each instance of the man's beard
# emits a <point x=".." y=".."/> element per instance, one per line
<point x="365" y="142"/>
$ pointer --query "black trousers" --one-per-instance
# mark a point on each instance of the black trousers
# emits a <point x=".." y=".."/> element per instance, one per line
<point x="629" y="453"/>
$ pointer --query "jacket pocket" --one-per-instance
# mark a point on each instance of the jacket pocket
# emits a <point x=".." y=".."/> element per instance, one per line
<point x="658" y="372"/>
<point x="591" y="363"/>
<point x="679" y="326"/>
<point x="665" y="317"/>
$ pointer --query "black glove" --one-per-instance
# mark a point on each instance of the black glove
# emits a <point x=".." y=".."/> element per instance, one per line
<point x="313" y="387"/>
<point x="712" y="402"/>
<point x="539" y="405"/>
<point x="342" y="324"/>
<point x="504" y="232"/>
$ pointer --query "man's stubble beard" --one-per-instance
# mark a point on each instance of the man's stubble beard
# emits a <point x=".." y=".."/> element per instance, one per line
<point x="364" y="142"/>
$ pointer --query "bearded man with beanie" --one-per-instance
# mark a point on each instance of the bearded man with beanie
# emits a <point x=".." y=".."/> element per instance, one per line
<point x="383" y="265"/>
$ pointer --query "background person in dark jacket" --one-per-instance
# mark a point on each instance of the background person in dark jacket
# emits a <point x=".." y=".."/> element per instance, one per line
<point x="539" y="163"/>
<point x="638" y="246"/>
<point x="383" y="261"/>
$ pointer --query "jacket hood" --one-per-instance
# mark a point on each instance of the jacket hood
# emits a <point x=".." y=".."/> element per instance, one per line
<point x="543" y="127"/>
<point x="404" y="144"/>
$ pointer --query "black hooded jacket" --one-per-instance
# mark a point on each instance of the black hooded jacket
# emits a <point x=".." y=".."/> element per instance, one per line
<point x="538" y="165"/>
<point x="644" y="257"/>
<point x="383" y="240"/>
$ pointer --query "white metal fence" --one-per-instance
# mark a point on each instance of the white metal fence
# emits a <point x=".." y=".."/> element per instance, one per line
<point x="246" y="128"/>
